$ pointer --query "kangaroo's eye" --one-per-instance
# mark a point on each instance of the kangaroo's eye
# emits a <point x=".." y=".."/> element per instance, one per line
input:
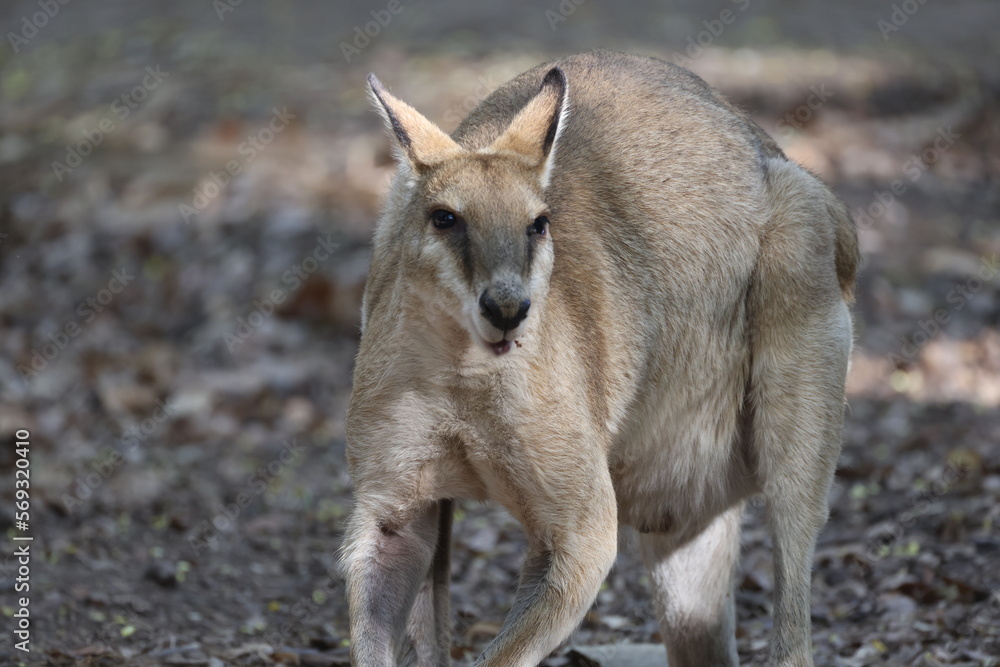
<point x="539" y="226"/>
<point x="443" y="219"/>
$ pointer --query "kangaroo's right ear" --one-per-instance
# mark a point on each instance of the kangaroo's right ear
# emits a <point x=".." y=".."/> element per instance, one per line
<point x="534" y="132"/>
<point x="419" y="142"/>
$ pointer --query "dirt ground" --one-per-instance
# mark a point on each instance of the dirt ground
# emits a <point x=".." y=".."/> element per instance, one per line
<point x="178" y="340"/>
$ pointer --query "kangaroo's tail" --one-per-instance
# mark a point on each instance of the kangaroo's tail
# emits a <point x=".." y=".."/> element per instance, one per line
<point x="848" y="255"/>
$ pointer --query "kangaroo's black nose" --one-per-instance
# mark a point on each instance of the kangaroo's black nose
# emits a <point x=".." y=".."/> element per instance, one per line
<point x="504" y="314"/>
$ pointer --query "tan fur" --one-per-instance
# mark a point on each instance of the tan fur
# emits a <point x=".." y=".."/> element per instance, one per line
<point x="685" y="347"/>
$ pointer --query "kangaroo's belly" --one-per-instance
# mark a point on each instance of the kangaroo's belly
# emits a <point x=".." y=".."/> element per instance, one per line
<point x="680" y="472"/>
<point x="683" y="456"/>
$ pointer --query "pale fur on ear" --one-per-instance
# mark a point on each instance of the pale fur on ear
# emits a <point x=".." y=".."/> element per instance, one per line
<point x="418" y="141"/>
<point x="535" y="130"/>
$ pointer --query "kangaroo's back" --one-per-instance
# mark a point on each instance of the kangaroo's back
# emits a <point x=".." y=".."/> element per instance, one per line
<point x="649" y="135"/>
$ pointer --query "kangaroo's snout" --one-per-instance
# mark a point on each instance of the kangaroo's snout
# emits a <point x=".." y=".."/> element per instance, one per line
<point x="504" y="306"/>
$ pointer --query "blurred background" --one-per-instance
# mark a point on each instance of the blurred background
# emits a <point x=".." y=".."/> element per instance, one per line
<point x="187" y="192"/>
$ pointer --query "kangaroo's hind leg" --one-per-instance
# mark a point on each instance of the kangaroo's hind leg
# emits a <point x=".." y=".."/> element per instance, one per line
<point x="693" y="591"/>
<point x="429" y="627"/>
<point x="801" y="342"/>
<point x="797" y="432"/>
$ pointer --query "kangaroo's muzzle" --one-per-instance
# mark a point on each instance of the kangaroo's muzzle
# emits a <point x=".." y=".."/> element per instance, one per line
<point x="505" y="314"/>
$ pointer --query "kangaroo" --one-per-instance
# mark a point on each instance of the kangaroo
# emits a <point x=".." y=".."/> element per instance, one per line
<point x="606" y="299"/>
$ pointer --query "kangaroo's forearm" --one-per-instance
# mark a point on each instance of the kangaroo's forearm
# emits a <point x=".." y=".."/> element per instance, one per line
<point x="557" y="588"/>
<point x="385" y="567"/>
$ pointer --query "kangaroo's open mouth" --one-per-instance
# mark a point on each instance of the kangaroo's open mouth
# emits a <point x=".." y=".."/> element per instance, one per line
<point x="501" y="347"/>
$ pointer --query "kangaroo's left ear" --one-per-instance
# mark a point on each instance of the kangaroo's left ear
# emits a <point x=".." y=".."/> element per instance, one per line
<point x="535" y="130"/>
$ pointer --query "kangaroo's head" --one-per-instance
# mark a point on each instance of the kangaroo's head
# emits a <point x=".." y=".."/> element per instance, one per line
<point x="472" y="224"/>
